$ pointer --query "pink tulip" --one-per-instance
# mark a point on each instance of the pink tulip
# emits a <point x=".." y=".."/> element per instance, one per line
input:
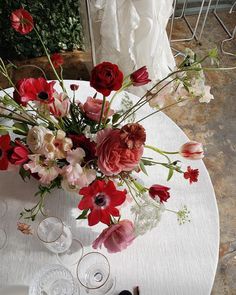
<point x="116" y="237"/>
<point x="192" y="150"/>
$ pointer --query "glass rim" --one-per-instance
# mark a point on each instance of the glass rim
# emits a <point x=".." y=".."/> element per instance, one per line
<point x="77" y="270"/>
<point x="49" y="242"/>
<point x="6" y="208"/>
<point x="5" y="242"/>
<point x="77" y="261"/>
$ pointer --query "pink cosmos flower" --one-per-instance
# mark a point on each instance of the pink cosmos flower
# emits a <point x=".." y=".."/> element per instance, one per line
<point x="116" y="237"/>
<point x="113" y="156"/>
<point x="93" y="107"/>
<point x="192" y="150"/>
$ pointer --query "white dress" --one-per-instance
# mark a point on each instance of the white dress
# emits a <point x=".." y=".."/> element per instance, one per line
<point x="132" y="33"/>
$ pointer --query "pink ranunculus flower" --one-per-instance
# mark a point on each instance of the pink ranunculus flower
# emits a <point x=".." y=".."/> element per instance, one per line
<point x="116" y="237"/>
<point x="192" y="150"/>
<point x="92" y="108"/>
<point x="113" y="156"/>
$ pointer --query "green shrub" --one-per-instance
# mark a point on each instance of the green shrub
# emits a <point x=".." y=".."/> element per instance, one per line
<point x="58" y="22"/>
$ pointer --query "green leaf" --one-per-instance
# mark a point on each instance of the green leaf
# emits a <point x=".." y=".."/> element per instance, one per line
<point x="20" y="128"/>
<point x="142" y="167"/>
<point x="83" y="215"/>
<point x="115" y="118"/>
<point x="24" y="173"/>
<point x="139" y="186"/>
<point x="171" y="172"/>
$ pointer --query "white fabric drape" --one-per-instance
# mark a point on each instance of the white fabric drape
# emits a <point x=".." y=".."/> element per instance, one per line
<point x="132" y="34"/>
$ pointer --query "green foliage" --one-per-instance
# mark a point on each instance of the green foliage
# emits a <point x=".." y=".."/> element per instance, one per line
<point x="58" y="22"/>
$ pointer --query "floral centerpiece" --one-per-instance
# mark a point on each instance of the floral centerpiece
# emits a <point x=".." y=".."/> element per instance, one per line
<point x="90" y="148"/>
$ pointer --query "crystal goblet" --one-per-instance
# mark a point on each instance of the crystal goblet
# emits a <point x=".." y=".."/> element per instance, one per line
<point x="93" y="273"/>
<point x="3" y="234"/>
<point x="57" y="237"/>
<point x="54" y="280"/>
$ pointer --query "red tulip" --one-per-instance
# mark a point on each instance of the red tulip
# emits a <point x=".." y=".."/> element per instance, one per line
<point x="160" y="192"/>
<point x="140" y="77"/>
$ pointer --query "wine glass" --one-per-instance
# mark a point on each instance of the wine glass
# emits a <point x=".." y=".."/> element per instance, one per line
<point x="54" y="280"/>
<point x="57" y="237"/>
<point x="93" y="273"/>
<point x="3" y="234"/>
<point x="3" y="208"/>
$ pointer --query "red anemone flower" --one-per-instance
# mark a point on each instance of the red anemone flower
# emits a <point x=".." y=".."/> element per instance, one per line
<point x="57" y="60"/>
<point x="29" y="89"/>
<point x="4" y="148"/>
<point x="22" y="21"/>
<point x="101" y="198"/>
<point x="191" y="174"/>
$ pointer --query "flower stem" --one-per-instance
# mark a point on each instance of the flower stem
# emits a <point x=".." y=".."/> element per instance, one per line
<point x="102" y="111"/>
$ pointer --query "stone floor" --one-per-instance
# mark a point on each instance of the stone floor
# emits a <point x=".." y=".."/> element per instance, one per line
<point x="215" y="126"/>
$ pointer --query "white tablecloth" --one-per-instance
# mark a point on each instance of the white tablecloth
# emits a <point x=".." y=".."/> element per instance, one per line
<point x="171" y="259"/>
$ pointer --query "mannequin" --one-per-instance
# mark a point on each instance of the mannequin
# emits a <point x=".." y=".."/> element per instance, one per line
<point x="132" y="33"/>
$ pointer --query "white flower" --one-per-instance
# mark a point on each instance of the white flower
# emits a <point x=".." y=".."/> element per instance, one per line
<point x="75" y="156"/>
<point x="46" y="170"/>
<point x="162" y="96"/>
<point x="74" y="176"/>
<point x="89" y="135"/>
<point x="56" y="146"/>
<point x="147" y="215"/>
<point x="207" y="97"/>
<point x="35" y="138"/>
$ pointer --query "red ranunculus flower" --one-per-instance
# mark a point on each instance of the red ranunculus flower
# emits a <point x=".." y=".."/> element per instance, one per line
<point x="140" y="77"/>
<point x="85" y="143"/>
<point x="101" y="198"/>
<point x="57" y="60"/>
<point x="18" y="154"/>
<point x="4" y="148"/>
<point x="34" y="89"/>
<point x="116" y="237"/>
<point x="22" y="21"/>
<point x="160" y="192"/>
<point x="191" y="174"/>
<point x="106" y="77"/>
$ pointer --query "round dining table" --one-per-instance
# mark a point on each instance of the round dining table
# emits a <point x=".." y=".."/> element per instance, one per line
<point x="171" y="259"/>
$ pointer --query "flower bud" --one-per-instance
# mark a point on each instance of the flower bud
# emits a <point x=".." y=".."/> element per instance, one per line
<point x="159" y="192"/>
<point x="192" y="150"/>
<point x="140" y="77"/>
